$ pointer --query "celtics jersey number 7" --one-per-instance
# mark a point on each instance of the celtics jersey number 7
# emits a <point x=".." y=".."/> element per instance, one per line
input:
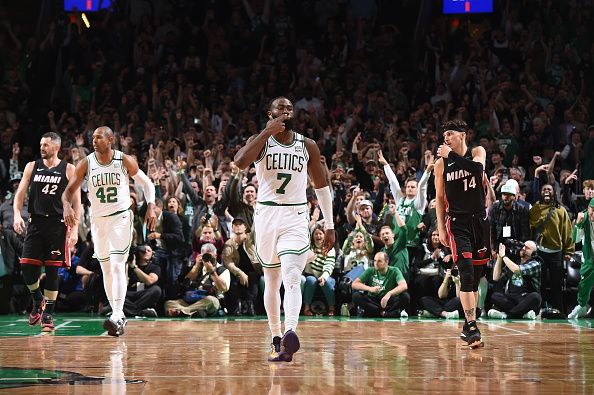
<point x="281" y="171"/>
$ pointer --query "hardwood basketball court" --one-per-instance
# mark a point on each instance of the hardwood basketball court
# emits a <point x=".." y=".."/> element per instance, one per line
<point x="345" y="356"/>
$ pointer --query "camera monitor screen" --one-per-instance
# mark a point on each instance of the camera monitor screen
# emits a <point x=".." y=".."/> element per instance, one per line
<point x="86" y="5"/>
<point x="467" y="6"/>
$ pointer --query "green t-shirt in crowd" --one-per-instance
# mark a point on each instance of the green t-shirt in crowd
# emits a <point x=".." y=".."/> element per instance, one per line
<point x="371" y="277"/>
<point x="397" y="252"/>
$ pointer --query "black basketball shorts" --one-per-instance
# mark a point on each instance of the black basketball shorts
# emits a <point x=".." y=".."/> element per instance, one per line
<point x="469" y="236"/>
<point x="45" y="241"/>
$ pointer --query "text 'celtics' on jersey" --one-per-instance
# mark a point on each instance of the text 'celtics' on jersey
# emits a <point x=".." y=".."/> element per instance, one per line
<point x="108" y="185"/>
<point x="281" y="171"/>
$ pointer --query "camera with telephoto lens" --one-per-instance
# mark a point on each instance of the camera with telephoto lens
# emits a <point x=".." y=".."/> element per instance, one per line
<point x="512" y="248"/>
<point x="206" y="257"/>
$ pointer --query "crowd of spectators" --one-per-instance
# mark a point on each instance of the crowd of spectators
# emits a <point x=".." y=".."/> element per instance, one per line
<point x="185" y="86"/>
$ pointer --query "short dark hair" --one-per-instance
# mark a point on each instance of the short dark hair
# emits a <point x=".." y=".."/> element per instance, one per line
<point x="275" y="99"/>
<point x="54" y="137"/>
<point x="457" y="125"/>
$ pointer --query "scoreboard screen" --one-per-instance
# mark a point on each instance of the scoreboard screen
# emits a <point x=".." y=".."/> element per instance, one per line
<point x="86" y="5"/>
<point x="467" y="6"/>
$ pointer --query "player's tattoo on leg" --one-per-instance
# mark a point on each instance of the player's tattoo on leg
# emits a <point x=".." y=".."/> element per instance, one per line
<point x="470" y="314"/>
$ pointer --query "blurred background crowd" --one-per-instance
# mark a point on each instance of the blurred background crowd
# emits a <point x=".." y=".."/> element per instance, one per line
<point x="183" y="84"/>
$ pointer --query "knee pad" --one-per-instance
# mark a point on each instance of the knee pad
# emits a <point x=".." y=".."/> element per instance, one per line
<point x="51" y="278"/>
<point x="479" y="272"/>
<point x="291" y="277"/>
<point x="466" y="274"/>
<point x="31" y="273"/>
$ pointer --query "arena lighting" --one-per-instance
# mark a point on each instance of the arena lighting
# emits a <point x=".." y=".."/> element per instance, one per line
<point x="85" y="20"/>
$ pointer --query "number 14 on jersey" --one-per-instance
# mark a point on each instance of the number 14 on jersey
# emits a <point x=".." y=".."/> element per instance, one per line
<point x="469" y="183"/>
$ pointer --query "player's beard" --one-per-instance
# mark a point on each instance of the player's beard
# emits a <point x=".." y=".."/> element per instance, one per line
<point x="289" y="123"/>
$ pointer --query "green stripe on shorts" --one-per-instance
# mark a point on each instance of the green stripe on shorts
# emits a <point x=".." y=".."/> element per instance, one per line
<point x="267" y="265"/>
<point x="294" y="252"/>
<point x="272" y="266"/>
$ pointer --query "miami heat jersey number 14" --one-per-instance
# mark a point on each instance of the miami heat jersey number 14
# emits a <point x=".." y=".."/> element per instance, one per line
<point x="465" y="191"/>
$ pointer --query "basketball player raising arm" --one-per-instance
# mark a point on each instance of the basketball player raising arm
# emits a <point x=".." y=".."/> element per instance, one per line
<point x="107" y="173"/>
<point x="461" y="200"/>
<point x="283" y="160"/>
<point x="479" y="156"/>
<point x="253" y="149"/>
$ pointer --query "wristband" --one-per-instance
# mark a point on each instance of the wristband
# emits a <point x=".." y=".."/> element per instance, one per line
<point x="325" y="201"/>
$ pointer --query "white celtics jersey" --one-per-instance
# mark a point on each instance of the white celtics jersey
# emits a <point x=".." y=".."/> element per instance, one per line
<point x="108" y="185"/>
<point x="282" y="172"/>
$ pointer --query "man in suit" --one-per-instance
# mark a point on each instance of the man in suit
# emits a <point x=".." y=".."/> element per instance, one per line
<point x="167" y="243"/>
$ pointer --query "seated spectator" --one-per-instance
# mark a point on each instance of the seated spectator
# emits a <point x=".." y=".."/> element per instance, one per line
<point x="143" y="292"/>
<point x="318" y="273"/>
<point x="521" y="298"/>
<point x="11" y="246"/>
<point x="7" y="210"/>
<point x="203" y="287"/>
<point x="206" y="233"/>
<point x="357" y="250"/>
<point x="239" y="256"/>
<point x="428" y="280"/>
<point x="71" y="297"/>
<point x="447" y="304"/>
<point x="167" y="242"/>
<point x="384" y="290"/>
<point x="358" y="205"/>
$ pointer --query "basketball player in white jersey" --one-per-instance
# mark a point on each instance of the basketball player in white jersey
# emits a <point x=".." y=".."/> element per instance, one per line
<point x="283" y="160"/>
<point x="106" y="171"/>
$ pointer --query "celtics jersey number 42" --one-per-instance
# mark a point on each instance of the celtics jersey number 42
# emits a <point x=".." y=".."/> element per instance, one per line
<point x="281" y="171"/>
<point x="108" y="185"/>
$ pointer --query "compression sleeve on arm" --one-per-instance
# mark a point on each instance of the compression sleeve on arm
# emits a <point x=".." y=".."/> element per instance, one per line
<point x="466" y="164"/>
<point x="147" y="186"/>
<point x="325" y="200"/>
